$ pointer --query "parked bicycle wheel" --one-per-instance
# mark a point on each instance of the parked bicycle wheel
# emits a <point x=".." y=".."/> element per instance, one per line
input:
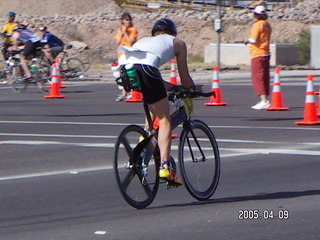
<point x="136" y="165"/>
<point x="199" y="160"/>
<point x="72" y="68"/>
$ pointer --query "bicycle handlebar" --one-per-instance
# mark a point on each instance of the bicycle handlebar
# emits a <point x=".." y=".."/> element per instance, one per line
<point x="181" y="92"/>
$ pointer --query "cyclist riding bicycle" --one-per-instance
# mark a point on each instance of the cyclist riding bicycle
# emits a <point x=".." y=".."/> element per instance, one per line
<point x="26" y="41"/>
<point x="147" y="55"/>
<point x="6" y="32"/>
<point x="55" y="44"/>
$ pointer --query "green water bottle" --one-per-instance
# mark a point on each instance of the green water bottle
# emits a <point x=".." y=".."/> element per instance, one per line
<point x="133" y="76"/>
<point x="33" y="69"/>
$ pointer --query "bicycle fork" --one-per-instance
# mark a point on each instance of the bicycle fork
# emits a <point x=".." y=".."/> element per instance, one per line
<point x="194" y="159"/>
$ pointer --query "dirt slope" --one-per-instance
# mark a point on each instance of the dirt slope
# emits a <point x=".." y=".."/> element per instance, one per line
<point x="53" y="7"/>
<point x="99" y="36"/>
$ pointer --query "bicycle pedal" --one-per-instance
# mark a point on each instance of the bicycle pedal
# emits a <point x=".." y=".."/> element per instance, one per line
<point x="172" y="184"/>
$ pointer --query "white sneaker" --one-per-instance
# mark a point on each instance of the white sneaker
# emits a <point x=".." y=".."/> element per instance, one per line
<point x="261" y="105"/>
<point x="120" y="98"/>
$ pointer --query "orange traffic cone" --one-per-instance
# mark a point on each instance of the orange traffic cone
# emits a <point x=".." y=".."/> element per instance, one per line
<point x="173" y="73"/>
<point x="58" y="61"/>
<point x="54" y="87"/>
<point x="276" y="98"/>
<point x="217" y="99"/>
<point x="310" y="117"/>
<point x="156" y="125"/>
<point x="318" y="93"/>
<point x="135" y="97"/>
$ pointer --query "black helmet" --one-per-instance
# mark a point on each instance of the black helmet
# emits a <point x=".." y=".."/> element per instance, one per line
<point x="11" y="14"/>
<point x="164" y="25"/>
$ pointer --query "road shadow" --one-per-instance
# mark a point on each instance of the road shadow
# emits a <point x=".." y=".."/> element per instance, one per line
<point x="257" y="197"/>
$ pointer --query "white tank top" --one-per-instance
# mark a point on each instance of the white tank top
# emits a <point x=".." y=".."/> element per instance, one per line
<point x="153" y="51"/>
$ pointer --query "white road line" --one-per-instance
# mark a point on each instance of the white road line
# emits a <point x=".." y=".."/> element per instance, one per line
<point x="56" y="135"/>
<point x="53" y="173"/>
<point x="174" y="147"/>
<point x="21" y="142"/>
<point x="240" y="152"/>
<point x="66" y="123"/>
<point x="33" y="142"/>
<point x="273" y="151"/>
<point x="126" y="124"/>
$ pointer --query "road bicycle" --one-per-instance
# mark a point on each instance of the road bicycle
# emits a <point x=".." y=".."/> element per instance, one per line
<point x="137" y="156"/>
<point x="8" y="68"/>
<point x="11" y="71"/>
<point x="40" y="72"/>
<point x="72" y="68"/>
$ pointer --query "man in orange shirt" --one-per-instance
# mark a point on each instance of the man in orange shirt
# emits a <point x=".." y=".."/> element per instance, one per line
<point x="259" y="41"/>
<point x="126" y="36"/>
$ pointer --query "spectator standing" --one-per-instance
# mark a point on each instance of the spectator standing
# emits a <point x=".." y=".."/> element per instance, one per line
<point x="7" y="31"/>
<point x="126" y="35"/>
<point x="259" y="49"/>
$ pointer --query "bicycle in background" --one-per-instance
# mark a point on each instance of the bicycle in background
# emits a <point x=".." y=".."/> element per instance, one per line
<point x="137" y="156"/>
<point x="72" y="68"/>
<point x="9" y="68"/>
<point x="40" y="71"/>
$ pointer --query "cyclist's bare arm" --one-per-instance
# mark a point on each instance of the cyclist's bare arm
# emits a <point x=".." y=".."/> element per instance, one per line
<point x="15" y="37"/>
<point x="181" y="56"/>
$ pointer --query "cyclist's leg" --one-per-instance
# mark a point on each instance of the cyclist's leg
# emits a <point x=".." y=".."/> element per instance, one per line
<point x="54" y="52"/>
<point x="161" y="110"/>
<point x="27" y="51"/>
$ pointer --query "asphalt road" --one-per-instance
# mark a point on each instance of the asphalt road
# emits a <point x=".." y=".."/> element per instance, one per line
<point x="57" y="182"/>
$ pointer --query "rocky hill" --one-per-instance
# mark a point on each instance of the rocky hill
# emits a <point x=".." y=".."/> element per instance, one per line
<point x="95" y="22"/>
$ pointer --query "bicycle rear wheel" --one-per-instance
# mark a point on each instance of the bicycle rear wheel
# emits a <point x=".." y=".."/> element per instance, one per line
<point x="44" y="75"/>
<point x="72" y="68"/>
<point x="136" y="166"/>
<point x="199" y="160"/>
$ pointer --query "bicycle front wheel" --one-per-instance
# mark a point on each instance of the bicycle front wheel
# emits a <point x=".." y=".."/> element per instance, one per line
<point x="18" y="85"/>
<point x="3" y="72"/>
<point x="136" y="167"/>
<point x="199" y="160"/>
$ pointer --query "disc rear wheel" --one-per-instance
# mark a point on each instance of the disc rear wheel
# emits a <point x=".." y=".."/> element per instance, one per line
<point x="136" y="167"/>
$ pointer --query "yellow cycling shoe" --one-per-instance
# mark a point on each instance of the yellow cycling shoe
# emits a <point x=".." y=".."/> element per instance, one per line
<point x="141" y="138"/>
<point x="169" y="176"/>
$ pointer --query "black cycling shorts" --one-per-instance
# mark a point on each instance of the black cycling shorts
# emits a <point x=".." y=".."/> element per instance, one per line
<point x="152" y="87"/>
<point x="30" y="48"/>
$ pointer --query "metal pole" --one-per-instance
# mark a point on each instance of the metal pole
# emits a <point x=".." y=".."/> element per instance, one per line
<point x="218" y="33"/>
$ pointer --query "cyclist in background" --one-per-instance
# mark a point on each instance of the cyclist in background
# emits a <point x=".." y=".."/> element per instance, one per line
<point x="147" y="55"/>
<point x="7" y="31"/>
<point x="26" y="41"/>
<point x="55" y="44"/>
